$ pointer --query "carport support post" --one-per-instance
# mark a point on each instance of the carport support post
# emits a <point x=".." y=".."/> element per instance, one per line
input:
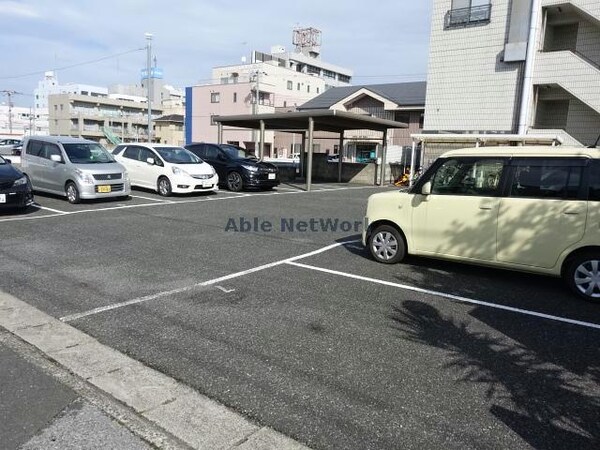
<point x="302" y="156"/>
<point x="311" y="129"/>
<point x="340" y="156"/>
<point x="261" y="145"/>
<point x="219" y="133"/>
<point x="383" y="158"/>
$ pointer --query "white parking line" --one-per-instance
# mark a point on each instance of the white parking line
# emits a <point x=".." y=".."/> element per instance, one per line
<point x="146" y="298"/>
<point x="448" y="296"/>
<point x="45" y="208"/>
<point x="152" y="199"/>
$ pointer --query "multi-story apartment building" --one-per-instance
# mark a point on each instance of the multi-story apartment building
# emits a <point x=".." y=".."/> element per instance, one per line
<point x="111" y="115"/>
<point x="515" y="67"/>
<point x="278" y="79"/>
<point x="107" y="119"/>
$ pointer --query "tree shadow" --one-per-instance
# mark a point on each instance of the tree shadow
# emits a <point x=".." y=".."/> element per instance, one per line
<point x="546" y="405"/>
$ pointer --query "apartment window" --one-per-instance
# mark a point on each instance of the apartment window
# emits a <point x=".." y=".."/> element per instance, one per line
<point x="290" y="85"/>
<point x="308" y="88"/>
<point x="468" y="12"/>
<point x="298" y="86"/>
<point x="235" y="97"/>
<point x="215" y="97"/>
<point x="318" y="90"/>
<point x="344" y="78"/>
<point x="328" y="74"/>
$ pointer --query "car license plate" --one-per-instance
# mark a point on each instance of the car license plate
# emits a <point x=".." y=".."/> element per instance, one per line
<point x="272" y="176"/>
<point x="2" y="198"/>
<point x="104" y="189"/>
<point x="207" y="184"/>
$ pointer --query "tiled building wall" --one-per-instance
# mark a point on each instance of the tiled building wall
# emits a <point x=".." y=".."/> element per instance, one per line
<point x="469" y="87"/>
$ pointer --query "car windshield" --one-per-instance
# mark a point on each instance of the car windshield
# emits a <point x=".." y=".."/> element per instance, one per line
<point x="236" y="152"/>
<point x="178" y="155"/>
<point x="85" y="153"/>
<point x="2" y="161"/>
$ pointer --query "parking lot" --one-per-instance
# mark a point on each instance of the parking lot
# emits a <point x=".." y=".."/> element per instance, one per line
<point x="302" y="331"/>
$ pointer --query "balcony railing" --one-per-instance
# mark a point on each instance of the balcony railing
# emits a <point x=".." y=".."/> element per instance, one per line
<point x="463" y="17"/>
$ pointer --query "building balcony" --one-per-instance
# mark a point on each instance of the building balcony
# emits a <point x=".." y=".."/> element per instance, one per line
<point x="464" y="17"/>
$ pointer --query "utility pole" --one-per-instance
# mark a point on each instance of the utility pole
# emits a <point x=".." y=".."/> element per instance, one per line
<point x="9" y="94"/>
<point x="256" y="97"/>
<point x="149" y="82"/>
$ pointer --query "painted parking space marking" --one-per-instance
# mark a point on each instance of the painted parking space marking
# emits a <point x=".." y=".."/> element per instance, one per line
<point x="212" y="282"/>
<point x="45" y="208"/>
<point x="447" y="296"/>
<point x="150" y="198"/>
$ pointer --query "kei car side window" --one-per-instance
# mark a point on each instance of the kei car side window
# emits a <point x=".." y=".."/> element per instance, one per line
<point x="34" y="148"/>
<point x="468" y="176"/>
<point x="49" y="150"/>
<point x="547" y="178"/>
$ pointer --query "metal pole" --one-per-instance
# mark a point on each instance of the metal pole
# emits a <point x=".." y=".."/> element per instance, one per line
<point x="148" y="82"/>
<point x="383" y="158"/>
<point x="219" y="133"/>
<point x="261" y="147"/>
<point x="257" y="96"/>
<point x="340" y="156"/>
<point x="412" y="163"/>
<point x="311" y="129"/>
<point x="302" y="153"/>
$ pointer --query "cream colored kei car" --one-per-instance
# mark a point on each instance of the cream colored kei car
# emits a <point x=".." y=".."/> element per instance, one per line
<point x="532" y="209"/>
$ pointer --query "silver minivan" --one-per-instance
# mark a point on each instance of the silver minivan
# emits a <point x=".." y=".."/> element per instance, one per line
<point x="73" y="167"/>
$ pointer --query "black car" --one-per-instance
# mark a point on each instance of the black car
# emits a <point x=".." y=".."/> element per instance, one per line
<point x="15" y="188"/>
<point x="237" y="169"/>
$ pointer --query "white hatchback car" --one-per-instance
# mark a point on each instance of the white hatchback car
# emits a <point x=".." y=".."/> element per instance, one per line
<point x="166" y="168"/>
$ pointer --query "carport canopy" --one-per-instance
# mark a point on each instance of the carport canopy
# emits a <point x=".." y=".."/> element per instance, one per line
<point x="307" y="122"/>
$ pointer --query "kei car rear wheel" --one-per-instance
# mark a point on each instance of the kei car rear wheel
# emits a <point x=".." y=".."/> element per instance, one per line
<point x="583" y="276"/>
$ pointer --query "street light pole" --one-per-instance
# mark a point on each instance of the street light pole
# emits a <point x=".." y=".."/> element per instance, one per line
<point x="148" y="82"/>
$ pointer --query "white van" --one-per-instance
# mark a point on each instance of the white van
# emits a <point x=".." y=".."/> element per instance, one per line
<point x="533" y="209"/>
<point x="73" y="167"/>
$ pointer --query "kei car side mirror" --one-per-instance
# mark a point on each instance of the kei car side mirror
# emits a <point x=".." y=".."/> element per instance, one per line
<point x="426" y="188"/>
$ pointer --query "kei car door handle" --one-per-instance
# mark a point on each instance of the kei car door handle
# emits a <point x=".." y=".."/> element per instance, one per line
<point x="487" y="205"/>
<point x="571" y="212"/>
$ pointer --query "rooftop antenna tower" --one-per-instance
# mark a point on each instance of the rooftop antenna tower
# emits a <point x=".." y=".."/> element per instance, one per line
<point x="307" y="41"/>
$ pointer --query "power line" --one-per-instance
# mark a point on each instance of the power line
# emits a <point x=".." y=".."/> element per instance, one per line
<point x="41" y="72"/>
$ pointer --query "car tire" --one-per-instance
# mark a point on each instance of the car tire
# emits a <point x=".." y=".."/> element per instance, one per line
<point x="582" y="275"/>
<point x="72" y="193"/>
<point x="387" y="245"/>
<point x="163" y="187"/>
<point x="235" y="183"/>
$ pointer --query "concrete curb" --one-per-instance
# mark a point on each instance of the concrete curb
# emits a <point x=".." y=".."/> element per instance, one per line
<point x="193" y="418"/>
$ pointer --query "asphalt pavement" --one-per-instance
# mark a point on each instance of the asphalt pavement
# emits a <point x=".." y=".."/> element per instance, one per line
<point x="301" y="332"/>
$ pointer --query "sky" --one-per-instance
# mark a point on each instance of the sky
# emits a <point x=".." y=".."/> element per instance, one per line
<point x="383" y="41"/>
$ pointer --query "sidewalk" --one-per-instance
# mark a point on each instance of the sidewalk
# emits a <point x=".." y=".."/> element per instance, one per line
<point x="39" y="412"/>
